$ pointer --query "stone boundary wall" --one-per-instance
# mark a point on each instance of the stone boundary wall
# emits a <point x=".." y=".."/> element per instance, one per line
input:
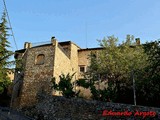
<point x="61" y="108"/>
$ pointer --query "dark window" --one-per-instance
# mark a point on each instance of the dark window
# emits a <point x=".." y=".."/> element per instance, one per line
<point x="40" y="59"/>
<point x="82" y="68"/>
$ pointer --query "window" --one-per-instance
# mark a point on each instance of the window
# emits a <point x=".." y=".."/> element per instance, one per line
<point x="82" y="68"/>
<point x="40" y="59"/>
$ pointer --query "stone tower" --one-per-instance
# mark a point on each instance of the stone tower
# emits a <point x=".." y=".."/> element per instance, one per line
<point x="39" y="64"/>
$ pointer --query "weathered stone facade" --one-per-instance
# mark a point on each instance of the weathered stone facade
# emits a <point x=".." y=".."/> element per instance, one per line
<point x="35" y="77"/>
<point x="43" y="62"/>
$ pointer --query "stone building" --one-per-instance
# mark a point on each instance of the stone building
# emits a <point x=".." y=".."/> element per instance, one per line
<point x="40" y="63"/>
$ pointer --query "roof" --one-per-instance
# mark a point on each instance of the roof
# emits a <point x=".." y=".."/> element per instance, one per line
<point x="20" y="51"/>
<point x="67" y="43"/>
<point x="86" y="49"/>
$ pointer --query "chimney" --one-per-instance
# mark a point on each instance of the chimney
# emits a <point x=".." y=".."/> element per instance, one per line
<point x="54" y="41"/>
<point x="52" y="38"/>
<point x="137" y="41"/>
<point x="27" y="45"/>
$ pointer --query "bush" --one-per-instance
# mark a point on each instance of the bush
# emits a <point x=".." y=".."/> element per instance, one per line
<point x="65" y="86"/>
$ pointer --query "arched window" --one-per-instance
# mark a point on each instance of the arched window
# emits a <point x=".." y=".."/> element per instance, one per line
<point x="40" y="59"/>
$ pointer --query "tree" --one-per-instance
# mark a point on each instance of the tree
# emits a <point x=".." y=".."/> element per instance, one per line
<point x="65" y="86"/>
<point x="5" y="54"/>
<point x="149" y="85"/>
<point x="152" y="49"/>
<point x="115" y="63"/>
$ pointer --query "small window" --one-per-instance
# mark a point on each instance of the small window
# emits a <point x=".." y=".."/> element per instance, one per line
<point x="40" y="59"/>
<point x="82" y="68"/>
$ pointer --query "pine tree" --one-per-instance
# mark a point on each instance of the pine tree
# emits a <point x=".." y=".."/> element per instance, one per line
<point x="5" y="54"/>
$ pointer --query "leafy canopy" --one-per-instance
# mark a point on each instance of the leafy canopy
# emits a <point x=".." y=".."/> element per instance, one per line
<point x="117" y="61"/>
<point x="114" y="65"/>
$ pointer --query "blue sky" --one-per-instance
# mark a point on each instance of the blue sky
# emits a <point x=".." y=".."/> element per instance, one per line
<point x="82" y="21"/>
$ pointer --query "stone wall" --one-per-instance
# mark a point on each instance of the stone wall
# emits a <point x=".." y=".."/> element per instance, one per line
<point x="84" y="58"/>
<point x="66" y="63"/>
<point x="60" y="108"/>
<point x="36" y="76"/>
<point x="74" y="60"/>
<point x="62" y="63"/>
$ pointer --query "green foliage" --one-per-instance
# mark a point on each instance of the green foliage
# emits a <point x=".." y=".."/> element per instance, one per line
<point x="89" y="84"/>
<point x="65" y="85"/>
<point x="116" y="61"/>
<point x="83" y="83"/>
<point x="114" y="64"/>
<point x="153" y="51"/>
<point x="106" y="94"/>
<point x="149" y="85"/>
<point x="4" y="54"/>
